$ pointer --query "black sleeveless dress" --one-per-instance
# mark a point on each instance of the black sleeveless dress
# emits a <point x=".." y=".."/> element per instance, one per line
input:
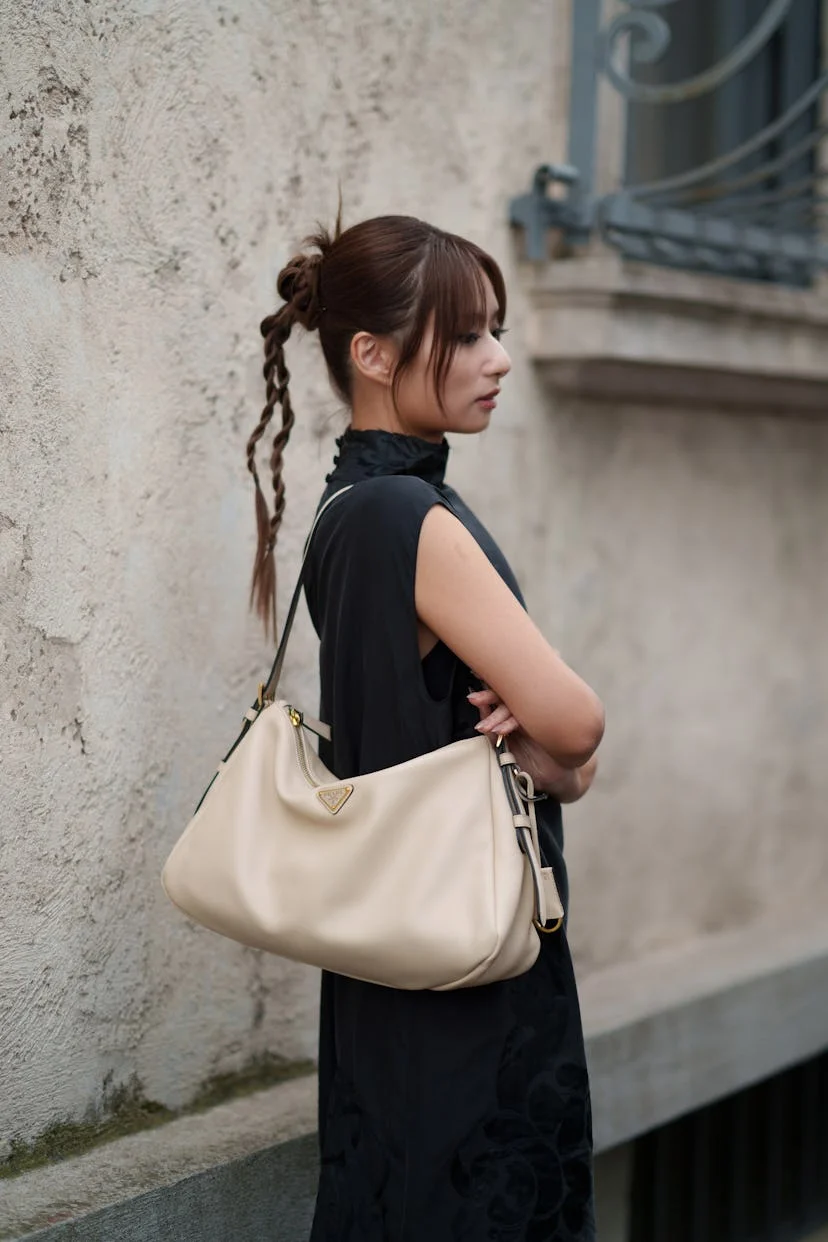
<point x="443" y="1116"/>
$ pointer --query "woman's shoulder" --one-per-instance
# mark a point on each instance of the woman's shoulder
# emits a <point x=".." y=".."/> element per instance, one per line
<point x="386" y="502"/>
<point x="367" y="540"/>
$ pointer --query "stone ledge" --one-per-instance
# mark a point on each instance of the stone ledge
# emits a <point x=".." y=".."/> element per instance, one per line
<point x="612" y="329"/>
<point x="665" y="1034"/>
<point x="156" y="1160"/>
<point x="269" y="1194"/>
<point x="680" y="1029"/>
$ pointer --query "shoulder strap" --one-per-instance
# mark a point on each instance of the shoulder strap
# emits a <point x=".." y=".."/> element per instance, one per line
<point x="272" y="683"/>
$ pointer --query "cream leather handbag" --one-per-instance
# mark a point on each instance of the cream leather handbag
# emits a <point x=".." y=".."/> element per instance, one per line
<point x="422" y="875"/>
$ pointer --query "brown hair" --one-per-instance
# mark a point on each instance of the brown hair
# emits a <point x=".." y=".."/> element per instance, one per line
<point x="387" y="276"/>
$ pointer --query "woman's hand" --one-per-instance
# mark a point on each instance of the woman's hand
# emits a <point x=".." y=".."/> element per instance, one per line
<point x="564" y="784"/>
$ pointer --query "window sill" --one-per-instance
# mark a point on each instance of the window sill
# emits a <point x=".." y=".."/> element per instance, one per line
<point x="611" y="329"/>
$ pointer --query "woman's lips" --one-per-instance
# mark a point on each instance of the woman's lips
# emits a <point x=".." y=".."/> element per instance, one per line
<point x="490" y="400"/>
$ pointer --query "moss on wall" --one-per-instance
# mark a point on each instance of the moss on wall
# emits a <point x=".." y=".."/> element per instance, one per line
<point x="125" y="1109"/>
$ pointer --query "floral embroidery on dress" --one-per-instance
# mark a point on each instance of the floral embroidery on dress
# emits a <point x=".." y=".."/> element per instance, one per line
<point x="527" y="1170"/>
<point x="354" y="1175"/>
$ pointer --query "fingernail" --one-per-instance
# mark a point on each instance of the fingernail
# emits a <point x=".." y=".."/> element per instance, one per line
<point x="481" y="728"/>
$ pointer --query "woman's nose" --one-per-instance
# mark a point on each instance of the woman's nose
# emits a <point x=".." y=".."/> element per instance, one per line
<point x="500" y="363"/>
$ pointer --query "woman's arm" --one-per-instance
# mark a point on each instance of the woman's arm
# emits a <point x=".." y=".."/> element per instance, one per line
<point x="576" y="783"/>
<point x="564" y="784"/>
<point x="463" y="601"/>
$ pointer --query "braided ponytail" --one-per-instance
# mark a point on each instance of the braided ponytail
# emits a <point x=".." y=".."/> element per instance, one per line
<point x="298" y="285"/>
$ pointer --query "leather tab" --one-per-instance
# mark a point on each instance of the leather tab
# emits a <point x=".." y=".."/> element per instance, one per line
<point x="554" y="905"/>
<point x="317" y="727"/>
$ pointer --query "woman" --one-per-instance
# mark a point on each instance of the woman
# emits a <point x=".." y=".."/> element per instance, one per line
<point x="461" y="1115"/>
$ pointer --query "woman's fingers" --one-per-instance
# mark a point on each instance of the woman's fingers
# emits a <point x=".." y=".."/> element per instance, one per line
<point x="499" y="720"/>
<point x="495" y="715"/>
<point x="483" y="698"/>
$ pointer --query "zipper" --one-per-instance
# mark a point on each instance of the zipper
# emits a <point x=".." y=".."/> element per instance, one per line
<point x="295" y="718"/>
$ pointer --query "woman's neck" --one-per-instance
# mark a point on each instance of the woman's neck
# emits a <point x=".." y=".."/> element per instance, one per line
<point x="375" y="411"/>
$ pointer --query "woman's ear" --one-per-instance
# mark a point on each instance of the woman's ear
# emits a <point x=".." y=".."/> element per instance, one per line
<point x="373" y="357"/>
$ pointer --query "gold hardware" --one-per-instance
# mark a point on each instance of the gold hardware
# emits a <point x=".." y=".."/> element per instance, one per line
<point x="547" y="931"/>
<point x="295" y="718"/>
<point x="333" y="800"/>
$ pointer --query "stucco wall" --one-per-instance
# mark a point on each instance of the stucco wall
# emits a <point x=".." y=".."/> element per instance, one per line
<point x="158" y="162"/>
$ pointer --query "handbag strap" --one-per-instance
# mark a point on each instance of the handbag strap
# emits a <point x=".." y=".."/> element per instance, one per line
<point x="520" y="793"/>
<point x="268" y="690"/>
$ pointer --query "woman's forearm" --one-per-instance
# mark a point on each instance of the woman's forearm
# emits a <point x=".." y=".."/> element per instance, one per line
<point x="575" y="783"/>
<point x="563" y="784"/>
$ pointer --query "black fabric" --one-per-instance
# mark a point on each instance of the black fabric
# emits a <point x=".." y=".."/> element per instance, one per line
<point x="443" y="1116"/>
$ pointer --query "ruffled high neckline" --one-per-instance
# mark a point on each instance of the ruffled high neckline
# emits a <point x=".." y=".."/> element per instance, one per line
<point x="366" y="454"/>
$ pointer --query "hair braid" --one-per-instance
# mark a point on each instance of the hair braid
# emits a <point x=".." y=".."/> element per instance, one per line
<point x="275" y="330"/>
<point x="298" y="284"/>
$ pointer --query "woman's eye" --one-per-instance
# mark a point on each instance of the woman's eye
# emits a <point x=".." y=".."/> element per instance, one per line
<point x="471" y="338"/>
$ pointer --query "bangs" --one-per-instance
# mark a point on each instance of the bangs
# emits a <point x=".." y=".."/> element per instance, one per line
<point x="451" y="288"/>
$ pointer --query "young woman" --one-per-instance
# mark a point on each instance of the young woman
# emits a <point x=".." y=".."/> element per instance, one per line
<point x="443" y="1116"/>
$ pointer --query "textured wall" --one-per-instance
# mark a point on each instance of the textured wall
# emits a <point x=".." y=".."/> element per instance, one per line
<point x="687" y="562"/>
<point x="158" y="161"/>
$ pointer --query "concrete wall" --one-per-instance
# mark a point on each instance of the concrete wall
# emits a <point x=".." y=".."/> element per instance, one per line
<point x="687" y="576"/>
<point x="158" y="163"/>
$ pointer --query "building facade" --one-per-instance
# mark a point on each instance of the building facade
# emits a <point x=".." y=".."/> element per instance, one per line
<point x="657" y="475"/>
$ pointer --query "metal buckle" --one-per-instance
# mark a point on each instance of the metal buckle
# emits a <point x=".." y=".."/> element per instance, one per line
<point x="547" y="931"/>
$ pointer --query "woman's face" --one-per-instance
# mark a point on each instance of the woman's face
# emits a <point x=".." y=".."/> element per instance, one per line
<point x="471" y="386"/>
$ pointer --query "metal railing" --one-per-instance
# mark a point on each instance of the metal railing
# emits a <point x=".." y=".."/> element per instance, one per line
<point x="750" y="1168"/>
<point x="723" y="167"/>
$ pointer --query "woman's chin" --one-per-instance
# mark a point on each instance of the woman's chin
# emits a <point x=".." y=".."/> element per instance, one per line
<point x="477" y="421"/>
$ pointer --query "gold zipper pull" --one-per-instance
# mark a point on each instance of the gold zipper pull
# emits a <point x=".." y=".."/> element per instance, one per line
<point x="295" y="717"/>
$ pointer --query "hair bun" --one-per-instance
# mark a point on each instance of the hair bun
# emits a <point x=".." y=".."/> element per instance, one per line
<point x="298" y="285"/>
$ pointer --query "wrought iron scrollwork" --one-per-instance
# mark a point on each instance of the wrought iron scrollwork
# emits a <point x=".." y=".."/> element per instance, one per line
<point x="758" y="204"/>
<point x="655" y="36"/>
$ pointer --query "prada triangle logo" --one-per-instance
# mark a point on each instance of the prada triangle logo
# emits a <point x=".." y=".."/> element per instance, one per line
<point x="333" y="800"/>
